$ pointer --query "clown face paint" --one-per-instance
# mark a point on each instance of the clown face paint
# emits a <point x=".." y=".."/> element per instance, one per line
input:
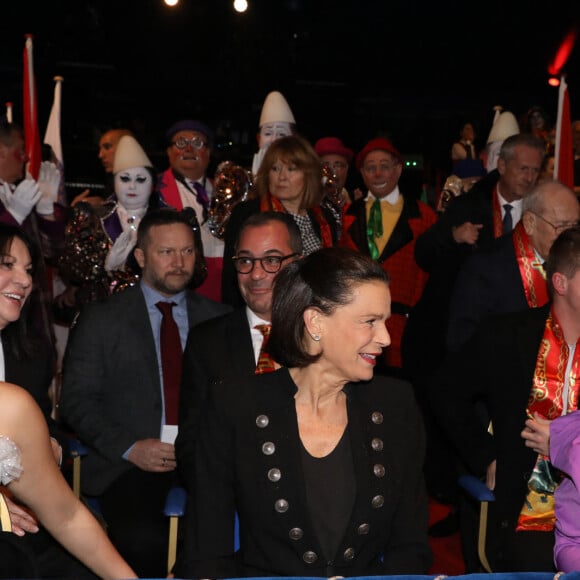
<point x="133" y="187"/>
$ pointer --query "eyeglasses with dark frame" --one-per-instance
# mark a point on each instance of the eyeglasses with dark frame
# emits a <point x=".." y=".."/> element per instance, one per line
<point x="194" y="142"/>
<point x="270" y="264"/>
<point x="557" y="229"/>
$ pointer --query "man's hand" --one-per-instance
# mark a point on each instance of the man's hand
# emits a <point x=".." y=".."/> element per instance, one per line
<point x="490" y="475"/>
<point x="153" y="455"/>
<point x="20" y="201"/>
<point x="56" y="451"/>
<point x="86" y="196"/>
<point x="536" y="434"/>
<point x="48" y="182"/>
<point x="467" y="233"/>
<point x="22" y="521"/>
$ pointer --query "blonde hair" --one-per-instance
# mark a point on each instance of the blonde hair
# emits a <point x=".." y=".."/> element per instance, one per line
<point x="293" y="150"/>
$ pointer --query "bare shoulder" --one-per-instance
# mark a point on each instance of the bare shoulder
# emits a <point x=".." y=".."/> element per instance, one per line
<point x="16" y="404"/>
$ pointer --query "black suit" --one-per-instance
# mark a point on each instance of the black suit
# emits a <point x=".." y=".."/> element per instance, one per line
<point x="488" y="283"/>
<point x="216" y="349"/>
<point x="476" y="206"/>
<point x="111" y="397"/>
<point x="497" y="366"/>
<point x="233" y="472"/>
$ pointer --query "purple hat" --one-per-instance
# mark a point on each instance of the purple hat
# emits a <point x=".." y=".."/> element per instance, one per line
<point x="189" y="125"/>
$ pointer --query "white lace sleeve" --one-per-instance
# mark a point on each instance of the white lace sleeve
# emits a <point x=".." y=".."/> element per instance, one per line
<point x="10" y="466"/>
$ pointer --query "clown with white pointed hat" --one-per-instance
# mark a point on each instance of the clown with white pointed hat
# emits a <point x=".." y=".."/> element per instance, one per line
<point x="504" y="125"/>
<point x="99" y="240"/>
<point x="276" y="120"/>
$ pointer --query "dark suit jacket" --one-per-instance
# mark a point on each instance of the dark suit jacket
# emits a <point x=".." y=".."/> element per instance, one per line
<point x="476" y="206"/>
<point x="232" y="473"/>
<point x="216" y="349"/>
<point x="402" y="233"/>
<point x="488" y="283"/>
<point x="495" y="366"/>
<point x="111" y="391"/>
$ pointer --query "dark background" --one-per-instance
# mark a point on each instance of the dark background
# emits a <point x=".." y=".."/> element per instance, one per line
<point x="409" y="70"/>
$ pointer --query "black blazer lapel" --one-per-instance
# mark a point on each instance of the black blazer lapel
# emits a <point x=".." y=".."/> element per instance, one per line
<point x="240" y="351"/>
<point x="402" y="233"/>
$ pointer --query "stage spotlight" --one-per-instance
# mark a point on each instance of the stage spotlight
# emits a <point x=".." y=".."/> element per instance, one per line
<point x="171" y="2"/>
<point x="240" y="5"/>
<point x="554" y="81"/>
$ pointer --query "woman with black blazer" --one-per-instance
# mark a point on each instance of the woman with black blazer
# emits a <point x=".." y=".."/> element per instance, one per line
<point x="321" y="461"/>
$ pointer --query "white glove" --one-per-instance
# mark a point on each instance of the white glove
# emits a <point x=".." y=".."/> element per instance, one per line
<point x="120" y="251"/>
<point x="48" y="182"/>
<point x="20" y="201"/>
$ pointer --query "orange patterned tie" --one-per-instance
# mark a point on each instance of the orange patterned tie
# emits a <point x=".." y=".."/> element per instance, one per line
<point x="266" y="363"/>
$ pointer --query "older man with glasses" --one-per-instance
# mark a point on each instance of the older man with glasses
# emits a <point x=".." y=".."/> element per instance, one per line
<point x="186" y="184"/>
<point x="509" y="276"/>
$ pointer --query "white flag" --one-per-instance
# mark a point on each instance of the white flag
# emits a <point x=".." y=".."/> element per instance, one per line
<point x="52" y="136"/>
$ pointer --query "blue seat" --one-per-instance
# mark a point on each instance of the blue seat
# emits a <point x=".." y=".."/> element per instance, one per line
<point x="175" y="509"/>
<point x="477" y="490"/>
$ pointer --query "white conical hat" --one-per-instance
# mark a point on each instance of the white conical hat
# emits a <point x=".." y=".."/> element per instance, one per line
<point x="129" y="154"/>
<point x="276" y="110"/>
<point x="505" y="125"/>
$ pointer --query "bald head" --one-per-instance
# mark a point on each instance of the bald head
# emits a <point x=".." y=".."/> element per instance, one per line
<point x="550" y="208"/>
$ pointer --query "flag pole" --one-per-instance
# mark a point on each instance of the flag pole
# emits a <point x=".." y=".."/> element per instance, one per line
<point x="30" y="111"/>
<point x="563" y="156"/>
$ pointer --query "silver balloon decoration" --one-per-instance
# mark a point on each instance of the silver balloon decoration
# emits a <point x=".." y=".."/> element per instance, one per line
<point x="232" y="184"/>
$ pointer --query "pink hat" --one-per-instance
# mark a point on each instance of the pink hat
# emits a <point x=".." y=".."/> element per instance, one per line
<point x="377" y="144"/>
<point x="333" y="146"/>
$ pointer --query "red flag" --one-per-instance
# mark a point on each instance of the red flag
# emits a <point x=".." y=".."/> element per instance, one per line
<point x="564" y="158"/>
<point x="30" y="112"/>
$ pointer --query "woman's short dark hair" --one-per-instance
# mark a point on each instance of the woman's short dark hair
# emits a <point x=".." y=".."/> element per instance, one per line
<point x="19" y="336"/>
<point x="324" y="280"/>
<point x="293" y="150"/>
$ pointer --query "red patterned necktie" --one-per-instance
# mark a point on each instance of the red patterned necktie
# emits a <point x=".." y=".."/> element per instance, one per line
<point x="171" y="355"/>
<point x="266" y="363"/>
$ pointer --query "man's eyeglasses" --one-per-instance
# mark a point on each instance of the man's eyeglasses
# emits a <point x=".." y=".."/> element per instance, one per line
<point x="557" y="229"/>
<point x="195" y="143"/>
<point x="270" y="264"/>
